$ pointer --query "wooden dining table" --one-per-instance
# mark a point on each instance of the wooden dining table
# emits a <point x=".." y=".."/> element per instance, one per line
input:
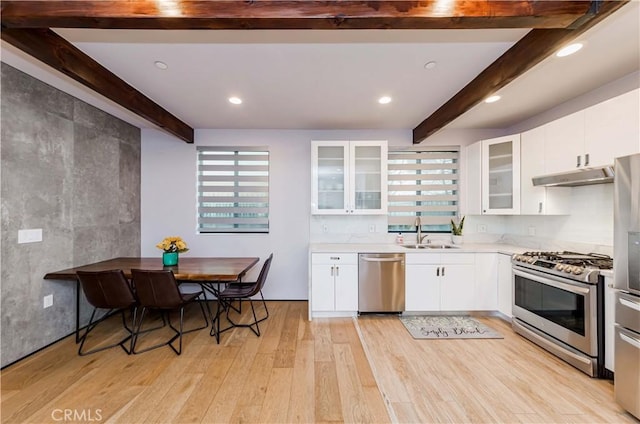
<point x="208" y="272"/>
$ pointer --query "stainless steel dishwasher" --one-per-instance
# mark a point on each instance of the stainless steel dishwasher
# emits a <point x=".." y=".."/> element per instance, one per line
<point x="381" y="282"/>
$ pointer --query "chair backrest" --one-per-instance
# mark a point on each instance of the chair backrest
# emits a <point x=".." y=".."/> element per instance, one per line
<point x="262" y="278"/>
<point x="107" y="289"/>
<point x="156" y="288"/>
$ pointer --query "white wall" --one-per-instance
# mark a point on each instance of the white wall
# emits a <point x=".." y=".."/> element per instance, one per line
<point x="169" y="198"/>
<point x="599" y="95"/>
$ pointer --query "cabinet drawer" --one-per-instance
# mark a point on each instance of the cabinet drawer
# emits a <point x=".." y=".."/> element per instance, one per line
<point x="458" y="258"/>
<point x="334" y="258"/>
<point x="427" y="258"/>
<point x="422" y="258"/>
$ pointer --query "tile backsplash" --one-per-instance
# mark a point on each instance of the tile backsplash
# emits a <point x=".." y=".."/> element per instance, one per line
<point x="589" y="227"/>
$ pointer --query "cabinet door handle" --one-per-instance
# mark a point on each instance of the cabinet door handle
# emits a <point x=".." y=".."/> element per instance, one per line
<point x="586" y="159"/>
<point x="578" y="161"/>
<point x="332" y="271"/>
<point x="337" y="271"/>
<point x="443" y="271"/>
<point x="438" y="272"/>
<point x="539" y="207"/>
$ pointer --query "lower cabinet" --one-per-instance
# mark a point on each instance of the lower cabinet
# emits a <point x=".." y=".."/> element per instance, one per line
<point x="334" y="282"/>
<point x="505" y="285"/>
<point x="486" y="283"/>
<point x="440" y="282"/>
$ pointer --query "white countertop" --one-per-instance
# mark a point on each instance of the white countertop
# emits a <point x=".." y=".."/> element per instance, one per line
<point x="507" y="249"/>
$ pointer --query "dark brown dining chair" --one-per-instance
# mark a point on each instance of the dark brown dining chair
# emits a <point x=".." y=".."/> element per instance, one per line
<point x="158" y="290"/>
<point x="238" y="292"/>
<point x="108" y="290"/>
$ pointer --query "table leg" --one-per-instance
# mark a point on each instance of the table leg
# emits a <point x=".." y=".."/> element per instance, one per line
<point x="77" y="311"/>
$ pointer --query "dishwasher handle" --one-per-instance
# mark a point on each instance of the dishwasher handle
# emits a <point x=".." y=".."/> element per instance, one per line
<point x="366" y="259"/>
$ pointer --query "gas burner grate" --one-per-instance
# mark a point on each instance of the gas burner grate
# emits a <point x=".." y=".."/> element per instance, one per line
<point x="587" y="260"/>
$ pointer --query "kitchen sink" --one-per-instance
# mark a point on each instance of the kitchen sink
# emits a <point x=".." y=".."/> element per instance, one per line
<point x="429" y="246"/>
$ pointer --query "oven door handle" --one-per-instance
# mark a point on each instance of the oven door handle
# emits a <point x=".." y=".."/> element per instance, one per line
<point x="532" y="275"/>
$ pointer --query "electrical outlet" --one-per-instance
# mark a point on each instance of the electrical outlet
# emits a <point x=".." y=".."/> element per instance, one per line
<point x="325" y="228"/>
<point x="482" y="228"/>
<point x="47" y="301"/>
<point x="30" y="236"/>
<point x="532" y="231"/>
<point x="372" y="228"/>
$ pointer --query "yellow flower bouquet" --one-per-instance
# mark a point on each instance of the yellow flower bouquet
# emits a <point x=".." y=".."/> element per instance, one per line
<point x="173" y="245"/>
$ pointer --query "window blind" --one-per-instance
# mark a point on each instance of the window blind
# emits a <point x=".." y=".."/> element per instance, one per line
<point x="233" y="189"/>
<point x="423" y="181"/>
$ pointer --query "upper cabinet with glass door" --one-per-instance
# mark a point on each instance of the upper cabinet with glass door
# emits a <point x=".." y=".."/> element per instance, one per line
<point x="349" y="177"/>
<point x="501" y="175"/>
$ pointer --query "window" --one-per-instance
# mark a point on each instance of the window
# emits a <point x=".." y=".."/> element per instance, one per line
<point x="423" y="181"/>
<point x="233" y="190"/>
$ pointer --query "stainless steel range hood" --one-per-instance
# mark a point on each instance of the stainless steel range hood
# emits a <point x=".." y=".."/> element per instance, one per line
<point x="579" y="177"/>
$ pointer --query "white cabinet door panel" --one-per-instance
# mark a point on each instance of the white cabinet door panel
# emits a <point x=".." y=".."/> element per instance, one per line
<point x="564" y="143"/>
<point x="457" y="287"/>
<point x="612" y="128"/>
<point x="322" y="287"/>
<point x="486" y="288"/>
<point x="346" y="287"/>
<point x="422" y="288"/>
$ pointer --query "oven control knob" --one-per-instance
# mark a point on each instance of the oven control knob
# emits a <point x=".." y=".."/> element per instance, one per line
<point x="577" y="270"/>
<point x="569" y="269"/>
<point x="559" y="267"/>
<point x="531" y="260"/>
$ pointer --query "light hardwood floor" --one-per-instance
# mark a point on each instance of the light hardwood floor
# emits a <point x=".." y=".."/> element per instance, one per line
<point x="301" y="371"/>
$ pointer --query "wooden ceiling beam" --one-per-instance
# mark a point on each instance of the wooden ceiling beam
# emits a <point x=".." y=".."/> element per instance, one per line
<point x="265" y="14"/>
<point x="48" y="47"/>
<point x="537" y="45"/>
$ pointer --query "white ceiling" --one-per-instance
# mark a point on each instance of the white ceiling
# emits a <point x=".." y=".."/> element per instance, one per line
<point x="332" y="79"/>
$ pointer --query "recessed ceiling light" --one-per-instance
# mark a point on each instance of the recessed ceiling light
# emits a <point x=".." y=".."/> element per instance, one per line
<point x="492" y="99"/>
<point x="570" y="49"/>
<point x="161" y="65"/>
<point x="235" y="100"/>
<point x="430" y="65"/>
<point x="384" y="100"/>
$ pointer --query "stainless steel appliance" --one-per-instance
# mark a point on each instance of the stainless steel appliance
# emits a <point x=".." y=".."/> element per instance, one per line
<point x="381" y="282"/>
<point x="626" y="251"/>
<point x="558" y="303"/>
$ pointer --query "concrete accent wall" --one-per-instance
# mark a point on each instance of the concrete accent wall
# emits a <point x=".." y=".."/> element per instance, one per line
<point x="73" y="171"/>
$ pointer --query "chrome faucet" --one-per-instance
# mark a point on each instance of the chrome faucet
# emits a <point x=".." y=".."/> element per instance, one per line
<point x="420" y="237"/>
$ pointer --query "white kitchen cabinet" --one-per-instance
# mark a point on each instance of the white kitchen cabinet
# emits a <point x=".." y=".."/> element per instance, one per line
<point x="493" y="176"/>
<point x="501" y="175"/>
<point x="334" y="282"/>
<point x="349" y="177"/>
<point x="564" y="143"/>
<point x="594" y="136"/>
<point x="440" y="282"/>
<point x="612" y="128"/>
<point x="422" y="288"/>
<point x="505" y="285"/>
<point x="539" y="200"/>
<point x="486" y="283"/>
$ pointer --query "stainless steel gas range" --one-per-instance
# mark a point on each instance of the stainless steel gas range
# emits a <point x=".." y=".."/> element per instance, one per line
<point x="558" y="303"/>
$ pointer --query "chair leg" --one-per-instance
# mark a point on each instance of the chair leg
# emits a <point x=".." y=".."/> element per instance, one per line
<point x="255" y="322"/>
<point x="93" y="324"/>
<point x="144" y="310"/>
